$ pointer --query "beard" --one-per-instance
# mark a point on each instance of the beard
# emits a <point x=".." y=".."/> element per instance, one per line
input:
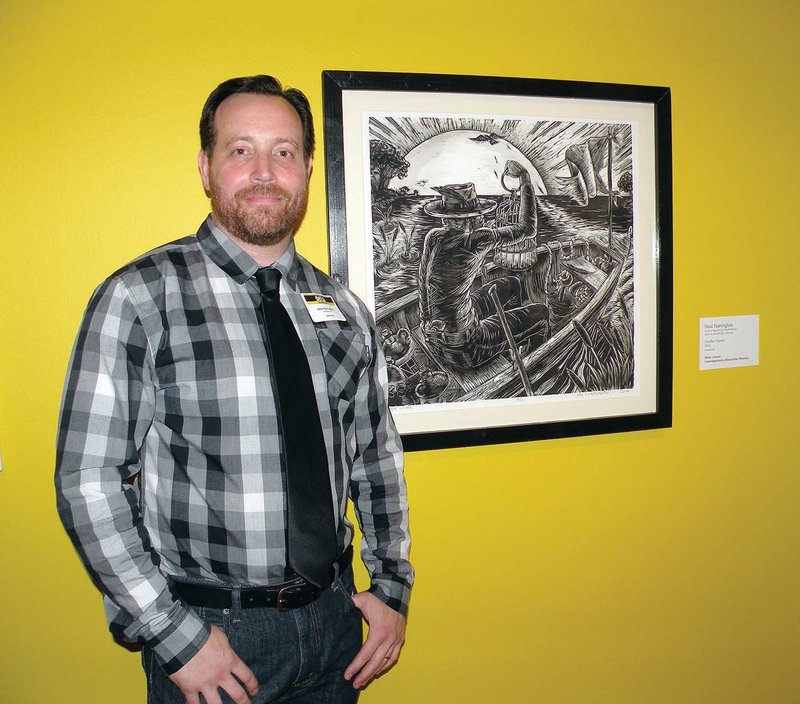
<point x="262" y="225"/>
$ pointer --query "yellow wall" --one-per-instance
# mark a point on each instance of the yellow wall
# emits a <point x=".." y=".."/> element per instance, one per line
<point x="652" y="567"/>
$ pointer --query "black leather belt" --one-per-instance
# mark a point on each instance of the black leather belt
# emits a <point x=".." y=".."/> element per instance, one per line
<point x="284" y="597"/>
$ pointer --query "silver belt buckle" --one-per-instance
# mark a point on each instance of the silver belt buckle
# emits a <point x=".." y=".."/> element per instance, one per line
<point x="283" y="601"/>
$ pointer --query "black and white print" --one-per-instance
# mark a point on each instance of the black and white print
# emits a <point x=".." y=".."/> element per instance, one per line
<point x="503" y="255"/>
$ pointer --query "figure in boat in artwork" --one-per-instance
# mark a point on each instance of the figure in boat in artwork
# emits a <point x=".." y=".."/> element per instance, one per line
<point x="466" y="324"/>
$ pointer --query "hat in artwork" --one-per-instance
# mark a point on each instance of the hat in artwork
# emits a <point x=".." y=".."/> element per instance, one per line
<point x="459" y="200"/>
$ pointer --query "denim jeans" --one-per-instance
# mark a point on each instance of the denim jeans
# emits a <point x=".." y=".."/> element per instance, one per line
<point x="297" y="656"/>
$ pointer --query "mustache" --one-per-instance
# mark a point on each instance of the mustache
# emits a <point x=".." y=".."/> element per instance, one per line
<point x="269" y="191"/>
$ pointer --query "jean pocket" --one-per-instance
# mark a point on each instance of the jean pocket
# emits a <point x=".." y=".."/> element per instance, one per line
<point x="213" y="617"/>
<point x="345" y="592"/>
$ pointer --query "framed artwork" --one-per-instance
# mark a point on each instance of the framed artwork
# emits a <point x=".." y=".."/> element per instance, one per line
<point x="513" y="239"/>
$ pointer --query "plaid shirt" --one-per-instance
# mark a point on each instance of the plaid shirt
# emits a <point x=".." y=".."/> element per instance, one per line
<point x="169" y="382"/>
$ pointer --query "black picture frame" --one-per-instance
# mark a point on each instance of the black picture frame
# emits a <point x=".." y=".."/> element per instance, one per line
<point x="360" y="105"/>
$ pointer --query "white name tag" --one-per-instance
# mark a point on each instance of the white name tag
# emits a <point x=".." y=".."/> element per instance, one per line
<point x="322" y="308"/>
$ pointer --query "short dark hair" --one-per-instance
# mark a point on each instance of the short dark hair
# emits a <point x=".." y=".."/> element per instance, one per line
<point x="260" y="85"/>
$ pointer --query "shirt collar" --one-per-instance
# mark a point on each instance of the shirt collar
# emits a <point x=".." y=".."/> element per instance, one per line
<point x="237" y="263"/>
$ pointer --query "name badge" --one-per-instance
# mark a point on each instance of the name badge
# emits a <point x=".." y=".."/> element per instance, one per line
<point x="322" y="308"/>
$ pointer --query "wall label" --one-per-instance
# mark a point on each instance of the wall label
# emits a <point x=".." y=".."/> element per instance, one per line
<point x="729" y="342"/>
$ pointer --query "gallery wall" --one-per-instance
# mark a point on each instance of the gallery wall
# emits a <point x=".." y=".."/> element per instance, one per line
<point x="656" y="566"/>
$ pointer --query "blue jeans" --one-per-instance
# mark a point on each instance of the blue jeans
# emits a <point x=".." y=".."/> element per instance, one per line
<point x="296" y="656"/>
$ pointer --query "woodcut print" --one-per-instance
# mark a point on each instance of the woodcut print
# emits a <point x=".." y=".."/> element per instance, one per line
<point x="502" y="256"/>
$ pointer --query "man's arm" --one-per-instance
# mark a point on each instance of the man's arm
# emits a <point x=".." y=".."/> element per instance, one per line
<point x="378" y="491"/>
<point x="106" y="410"/>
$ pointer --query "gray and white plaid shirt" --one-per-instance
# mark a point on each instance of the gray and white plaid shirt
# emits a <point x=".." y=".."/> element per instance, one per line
<point x="169" y="382"/>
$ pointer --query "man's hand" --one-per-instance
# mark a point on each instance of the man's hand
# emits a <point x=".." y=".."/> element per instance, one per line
<point x="385" y="637"/>
<point x="215" y="667"/>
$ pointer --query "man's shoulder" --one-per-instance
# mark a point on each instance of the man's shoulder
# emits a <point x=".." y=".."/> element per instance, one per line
<point x="144" y="280"/>
<point x="167" y="258"/>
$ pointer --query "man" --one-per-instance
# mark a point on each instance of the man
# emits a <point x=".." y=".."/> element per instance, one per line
<point x="460" y="322"/>
<point x="176" y="473"/>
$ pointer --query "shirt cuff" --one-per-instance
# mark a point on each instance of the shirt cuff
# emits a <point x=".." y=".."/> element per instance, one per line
<point x="393" y="592"/>
<point x="180" y="641"/>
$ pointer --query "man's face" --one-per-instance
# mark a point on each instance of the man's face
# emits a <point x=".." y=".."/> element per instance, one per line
<point x="257" y="174"/>
<point x="464" y="225"/>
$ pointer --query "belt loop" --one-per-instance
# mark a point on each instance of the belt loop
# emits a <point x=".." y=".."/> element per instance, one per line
<point x="236" y="600"/>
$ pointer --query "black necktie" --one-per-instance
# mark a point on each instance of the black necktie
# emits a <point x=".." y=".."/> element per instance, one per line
<point x="312" y="544"/>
